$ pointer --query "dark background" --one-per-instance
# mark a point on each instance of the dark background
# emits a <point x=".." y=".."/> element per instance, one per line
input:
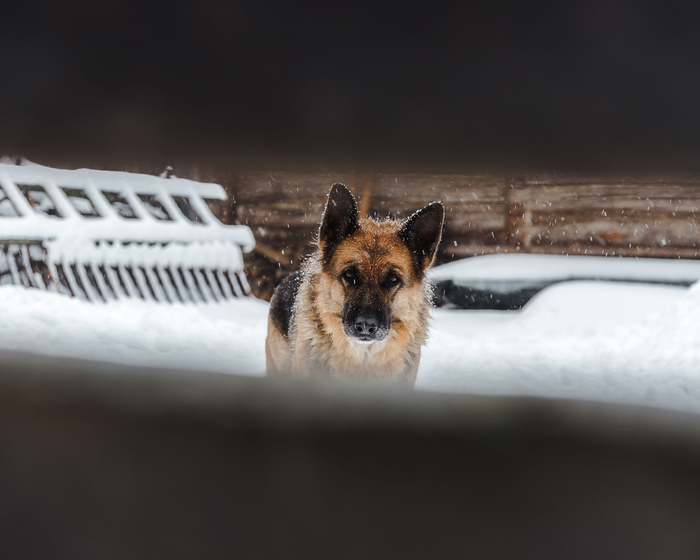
<point x="581" y="85"/>
<point x="101" y="461"/>
<point x="98" y="466"/>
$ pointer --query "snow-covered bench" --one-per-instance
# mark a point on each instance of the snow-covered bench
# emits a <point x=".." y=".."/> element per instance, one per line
<point x="102" y="235"/>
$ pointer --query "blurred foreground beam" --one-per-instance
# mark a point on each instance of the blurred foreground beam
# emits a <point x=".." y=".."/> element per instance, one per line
<point x="102" y="461"/>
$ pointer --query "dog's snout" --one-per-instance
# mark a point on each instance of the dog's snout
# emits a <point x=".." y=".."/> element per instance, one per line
<point x="366" y="325"/>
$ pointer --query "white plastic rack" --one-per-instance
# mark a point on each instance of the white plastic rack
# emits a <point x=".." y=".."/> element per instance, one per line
<point x="105" y="235"/>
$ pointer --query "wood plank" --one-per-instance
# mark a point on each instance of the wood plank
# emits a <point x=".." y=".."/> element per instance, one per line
<point x="584" y="180"/>
<point x="669" y="233"/>
<point x="281" y="185"/>
<point x="569" y="204"/>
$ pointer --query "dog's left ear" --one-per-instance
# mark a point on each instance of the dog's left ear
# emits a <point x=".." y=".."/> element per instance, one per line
<point x="339" y="220"/>
<point x="421" y="233"/>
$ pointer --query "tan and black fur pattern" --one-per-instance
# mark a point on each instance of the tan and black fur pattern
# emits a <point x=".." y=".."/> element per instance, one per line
<point x="359" y="308"/>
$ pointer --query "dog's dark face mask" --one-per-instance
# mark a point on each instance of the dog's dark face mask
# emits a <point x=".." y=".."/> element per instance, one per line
<point x="367" y="309"/>
<point x="370" y="283"/>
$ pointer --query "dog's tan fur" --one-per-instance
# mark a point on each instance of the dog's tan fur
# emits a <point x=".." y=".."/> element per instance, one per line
<point x="317" y="345"/>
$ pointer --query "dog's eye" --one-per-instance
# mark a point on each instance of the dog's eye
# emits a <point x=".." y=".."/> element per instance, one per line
<point x="393" y="279"/>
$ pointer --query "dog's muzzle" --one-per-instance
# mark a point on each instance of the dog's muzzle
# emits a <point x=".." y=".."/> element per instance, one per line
<point x="366" y="328"/>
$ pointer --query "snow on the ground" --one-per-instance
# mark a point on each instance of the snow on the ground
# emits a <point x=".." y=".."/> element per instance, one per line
<point x="227" y="337"/>
<point x="606" y="341"/>
<point x="609" y="341"/>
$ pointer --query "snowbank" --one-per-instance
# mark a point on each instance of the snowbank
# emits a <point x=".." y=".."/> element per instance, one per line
<point x="227" y="337"/>
<point x="615" y="342"/>
<point x="602" y="341"/>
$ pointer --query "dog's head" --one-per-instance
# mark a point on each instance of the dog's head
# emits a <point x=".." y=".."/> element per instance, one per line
<point x="376" y="268"/>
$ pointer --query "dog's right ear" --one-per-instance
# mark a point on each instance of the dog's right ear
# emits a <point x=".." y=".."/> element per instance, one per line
<point x="339" y="220"/>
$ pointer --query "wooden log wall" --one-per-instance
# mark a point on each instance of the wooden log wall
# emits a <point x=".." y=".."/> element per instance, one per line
<point x="654" y="217"/>
<point x="651" y="218"/>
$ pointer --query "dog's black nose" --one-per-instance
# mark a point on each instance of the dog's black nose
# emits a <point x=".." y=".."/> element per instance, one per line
<point x="366" y="325"/>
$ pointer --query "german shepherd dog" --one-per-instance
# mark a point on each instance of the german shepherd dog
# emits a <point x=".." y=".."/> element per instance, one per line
<point x="359" y="308"/>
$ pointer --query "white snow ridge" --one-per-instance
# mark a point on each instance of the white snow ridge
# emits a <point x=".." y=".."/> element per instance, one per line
<point x="603" y="341"/>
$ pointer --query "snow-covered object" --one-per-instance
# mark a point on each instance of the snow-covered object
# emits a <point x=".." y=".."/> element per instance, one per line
<point x="102" y="235"/>
<point x="512" y="271"/>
